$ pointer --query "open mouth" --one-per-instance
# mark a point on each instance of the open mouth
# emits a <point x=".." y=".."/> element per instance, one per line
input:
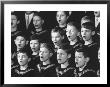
<point x="41" y="57"/>
<point x="33" y="48"/>
<point x="69" y="37"/>
<point x="84" y="37"/>
<point x="55" y="42"/>
<point x="19" y="45"/>
<point x="59" y="21"/>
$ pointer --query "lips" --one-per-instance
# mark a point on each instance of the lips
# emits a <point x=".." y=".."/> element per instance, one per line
<point x="59" y="21"/>
<point x="55" y="43"/>
<point x="69" y="37"/>
<point x="33" y="48"/>
<point x="19" y="45"/>
<point x="84" y="37"/>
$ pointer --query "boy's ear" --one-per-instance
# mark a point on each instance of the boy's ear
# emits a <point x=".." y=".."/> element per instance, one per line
<point x="69" y="55"/>
<point x="93" y="33"/>
<point x="18" y="22"/>
<point x="87" y="59"/>
<point x="42" y="21"/>
<point x="67" y="17"/>
<point x="29" y="59"/>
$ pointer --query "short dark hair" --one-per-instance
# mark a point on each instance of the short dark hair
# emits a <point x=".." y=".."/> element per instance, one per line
<point x="21" y="34"/>
<point x="35" y="37"/>
<point x="67" y="13"/>
<point x="89" y="18"/>
<point x="89" y="25"/>
<point x="48" y="46"/>
<point x="73" y="23"/>
<point x="84" y="50"/>
<point x="59" y="30"/>
<point x="38" y="14"/>
<point x="66" y="47"/>
<point x="25" y="50"/>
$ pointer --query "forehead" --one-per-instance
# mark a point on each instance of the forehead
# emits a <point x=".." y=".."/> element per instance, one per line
<point x="78" y="53"/>
<point x="20" y="37"/>
<point x="55" y="34"/>
<point x="85" y="29"/>
<point x="22" y="54"/>
<point x="71" y="27"/>
<point x="60" y="12"/>
<point x="36" y="17"/>
<point x="28" y="11"/>
<point x="34" y="41"/>
<point x="61" y="51"/>
<point x="43" y="49"/>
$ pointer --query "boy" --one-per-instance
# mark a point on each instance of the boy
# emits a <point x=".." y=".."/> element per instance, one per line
<point x="46" y="68"/>
<point x="62" y="17"/>
<point x="23" y="69"/>
<point x="83" y="63"/>
<point x="38" y="27"/>
<point x="20" y="42"/>
<point x="35" y="46"/>
<point x="57" y="36"/>
<point x="65" y="69"/>
<point x="87" y="32"/>
<point x="73" y="33"/>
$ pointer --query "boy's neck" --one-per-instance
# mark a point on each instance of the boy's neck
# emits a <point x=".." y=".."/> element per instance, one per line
<point x="88" y="42"/>
<point x="14" y="29"/>
<point x="24" y="67"/>
<point x="73" y="42"/>
<point x="39" y="29"/>
<point x="64" y="65"/>
<point x="63" y="25"/>
<point x="46" y="62"/>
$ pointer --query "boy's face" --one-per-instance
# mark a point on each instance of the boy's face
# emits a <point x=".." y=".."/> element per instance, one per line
<point x="22" y="59"/>
<point x="62" y="56"/>
<point x="20" y="42"/>
<point x="86" y="34"/>
<point x="56" y="38"/>
<point x="80" y="60"/>
<point x="44" y="54"/>
<point x="37" y="21"/>
<point x="14" y="21"/>
<point x="71" y="32"/>
<point x="61" y="17"/>
<point x="34" y="44"/>
<point x="97" y="13"/>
